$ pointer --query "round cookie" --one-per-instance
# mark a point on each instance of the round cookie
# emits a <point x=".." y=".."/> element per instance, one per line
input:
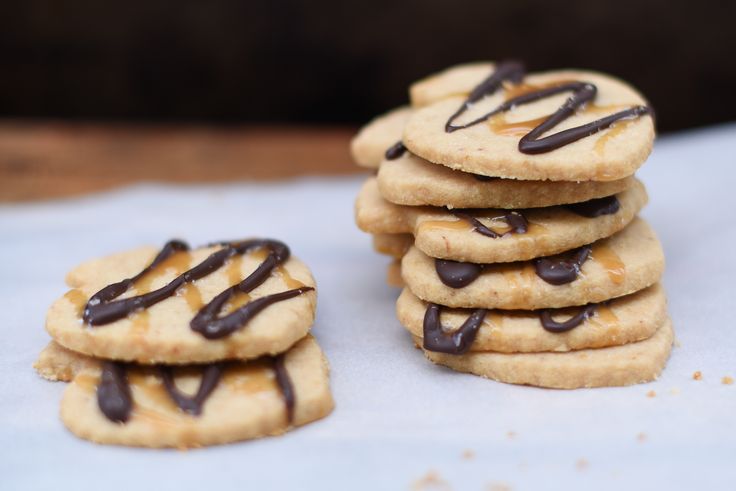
<point x="394" y="245"/>
<point x="58" y="364"/>
<point x="393" y="274"/>
<point x="621" y="321"/>
<point x="440" y="233"/>
<point x="369" y="146"/>
<point x="458" y="80"/>
<point x="491" y="147"/>
<point x="628" y="364"/>
<point x="247" y="402"/>
<point x="162" y="332"/>
<point x="410" y="180"/>
<point x="625" y="263"/>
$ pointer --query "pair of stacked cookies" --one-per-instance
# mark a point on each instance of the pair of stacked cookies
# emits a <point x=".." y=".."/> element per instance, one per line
<point x="511" y="203"/>
<point x="187" y="347"/>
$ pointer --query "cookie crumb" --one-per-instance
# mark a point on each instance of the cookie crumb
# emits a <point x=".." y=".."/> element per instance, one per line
<point x="641" y="437"/>
<point x="651" y="393"/>
<point x="697" y="375"/>
<point x="727" y="380"/>
<point x="511" y="435"/>
<point x="431" y="481"/>
<point x="498" y="486"/>
<point x="468" y="454"/>
<point x="581" y="464"/>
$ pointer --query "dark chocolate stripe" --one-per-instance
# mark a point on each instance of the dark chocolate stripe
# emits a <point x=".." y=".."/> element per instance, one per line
<point x="533" y="142"/>
<point x="549" y="324"/>
<point x="515" y="220"/>
<point x="454" y="343"/>
<point x="113" y="392"/>
<point x="563" y="270"/>
<point x="287" y="388"/>
<point x="395" y="151"/>
<point x="457" y="274"/>
<point x="211" y="375"/>
<point x="596" y="207"/>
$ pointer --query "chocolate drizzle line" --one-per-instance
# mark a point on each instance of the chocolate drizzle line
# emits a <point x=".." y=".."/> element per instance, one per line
<point x="211" y="375"/>
<point x="457" y="274"/>
<point x="287" y="389"/>
<point x="561" y="271"/>
<point x="549" y="324"/>
<point x="596" y="207"/>
<point x="515" y="220"/>
<point x="395" y="151"/>
<point x="102" y="308"/>
<point x="454" y="343"/>
<point x="113" y="392"/>
<point x="533" y="142"/>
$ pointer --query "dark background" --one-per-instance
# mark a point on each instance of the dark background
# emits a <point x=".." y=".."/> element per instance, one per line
<point x="343" y="62"/>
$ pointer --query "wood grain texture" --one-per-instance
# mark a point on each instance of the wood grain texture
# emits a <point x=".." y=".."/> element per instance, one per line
<point x="43" y="160"/>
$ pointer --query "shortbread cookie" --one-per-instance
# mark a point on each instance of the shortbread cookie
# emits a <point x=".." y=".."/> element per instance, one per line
<point x="602" y="129"/>
<point x="455" y="235"/>
<point x="394" y="245"/>
<point x="237" y="300"/>
<point x="133" y="405"/>
<point x="58" y="364"/>
<point x="411" y="180"/>
<point x="625" y="263"/>
<point x="393" y="274"/>
<point x="456" y="81"/>
<point x="628" y="364"/>
<point x="621" y="321"/>
<point x="369" y="146"/>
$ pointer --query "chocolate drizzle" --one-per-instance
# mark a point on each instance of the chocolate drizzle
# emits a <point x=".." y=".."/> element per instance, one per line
<point x="395" y="151"/>
<point x="549" y="324"/>
<point x="457" y="274"/>
<point x="533" y="142"/>
<point x="596" y="207"/>
<point x="454" y="343"/>
<point x="515" y="220"/>
<point x="287" y="389"/>
<point x="211" y="375"/>
<point x="564" y="270"/>
<point x="102" y="308"/>
<point x="113" y="392"/>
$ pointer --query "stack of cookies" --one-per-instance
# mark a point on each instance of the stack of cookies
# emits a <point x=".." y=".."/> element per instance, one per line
<point x="188" y="347"/>
<point x="509" y="199"/>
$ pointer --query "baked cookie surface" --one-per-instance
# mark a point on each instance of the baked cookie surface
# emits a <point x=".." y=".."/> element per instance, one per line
<point x="368" y="148"/>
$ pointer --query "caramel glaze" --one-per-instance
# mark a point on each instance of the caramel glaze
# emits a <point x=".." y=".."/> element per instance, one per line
<point x="102" y="308"/>
<point x="532" y="142"/>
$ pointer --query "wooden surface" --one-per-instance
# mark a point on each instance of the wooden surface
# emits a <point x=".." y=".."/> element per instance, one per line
<point x="43" y="160"/>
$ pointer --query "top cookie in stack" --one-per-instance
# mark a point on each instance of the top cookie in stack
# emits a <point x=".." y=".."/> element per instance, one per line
<point x="509" y="196"/>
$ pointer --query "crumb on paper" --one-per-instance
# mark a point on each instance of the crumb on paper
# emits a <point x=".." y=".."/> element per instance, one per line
<point x="498" y="486"/>
<point x="697" y="375"/>
<point x="727" y="380"/>
<point x="468" y="454"/>
<point x="431" y="481"/>
<point x="581" y="464"/>
<point x="511" y="435"/>
<point x="651" y="393"/>
<point x="641" y="437"/>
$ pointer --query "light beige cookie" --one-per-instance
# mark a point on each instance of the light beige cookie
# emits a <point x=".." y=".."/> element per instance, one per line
<point x="56" y="363"/>
<point x="621" y="321"/>
<point x="247" y="402"/>
<point x="411" y="180"/>
<point x="393" y="274"/>
<point x="492" y="147"/>
<point x="629" y="364"/>
<point x="625" y="263"/>
<point x="394" y="245"/>
<point x="162" y="332"/>
<point x="440" y="233"/>
<point x="455" y="81"/>
<point x="369" y="146"/>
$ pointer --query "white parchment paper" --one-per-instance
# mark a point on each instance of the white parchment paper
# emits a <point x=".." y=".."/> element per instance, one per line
<point x="398" y="417"/>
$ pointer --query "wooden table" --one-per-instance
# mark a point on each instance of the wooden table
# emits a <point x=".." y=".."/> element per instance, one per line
<point x="42" y="160"/>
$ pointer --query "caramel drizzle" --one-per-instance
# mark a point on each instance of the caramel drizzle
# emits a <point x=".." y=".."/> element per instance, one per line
<point x="517" y="222"/>
<point x="454" y="343"/>
<point x="102" y="308"/>
<point x="116" y="403"/>
<point x="549" y="324"/>
<point x="533" y="142"/>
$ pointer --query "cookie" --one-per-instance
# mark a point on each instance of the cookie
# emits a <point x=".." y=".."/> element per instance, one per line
<point x="628" y="364"/>
<point x="236" y="300"/>
<point x="620" y="321"/>
<point x="144" y="406"/>
<point x="625" y="263"/>
<point x="455" y="81"/>
<point x="460" y="235"/>
<point x="58" y="364"/>
<point x="369" y="146"/>
<point x="567" y="125"/>
<point x="393" y="274"/>
<point x="410" y="180"/>
<point x="394" y="245"/>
